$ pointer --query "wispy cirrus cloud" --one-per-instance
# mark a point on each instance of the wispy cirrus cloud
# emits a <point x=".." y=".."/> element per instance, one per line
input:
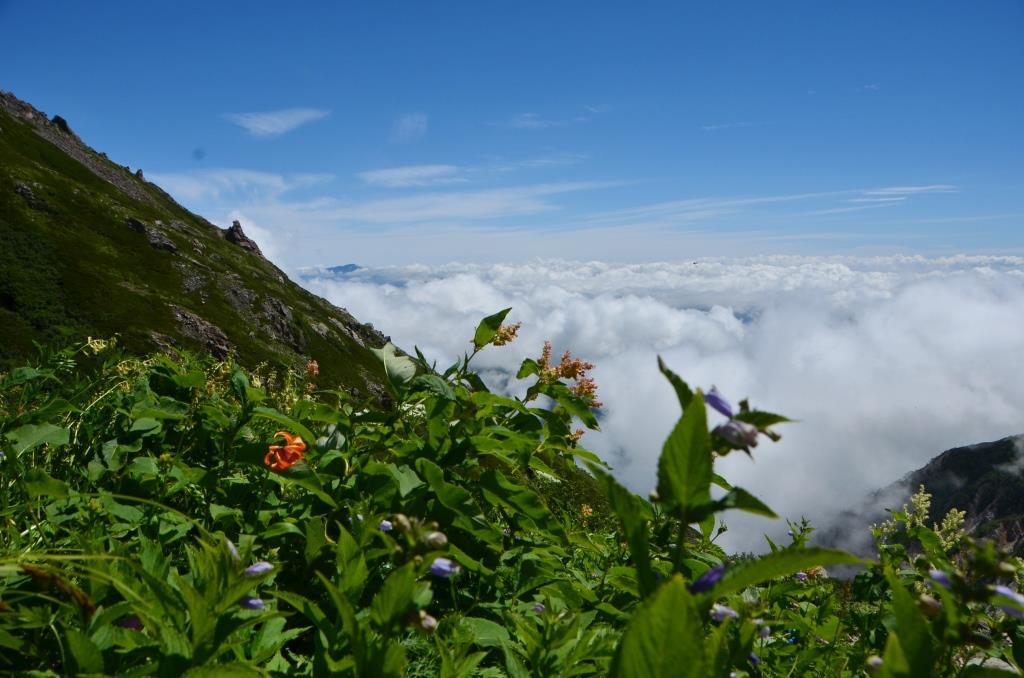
<point x="913" y="190"/>
<point x="409" y="127"/>
<point x="536" y="121"/>
<point x="413" y="175"/>
<point x="441" y="174"/>
<point x="235" y="185"/>
<point x="275" y="123"/>
<point x="730" y="125"/>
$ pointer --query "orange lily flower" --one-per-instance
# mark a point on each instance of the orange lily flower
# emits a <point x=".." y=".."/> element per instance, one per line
<point x="282" y="457"/>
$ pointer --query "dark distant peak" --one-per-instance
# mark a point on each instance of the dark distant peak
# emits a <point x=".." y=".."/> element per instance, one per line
<point x="344" y="268"/>
<point x="237" y="236"/>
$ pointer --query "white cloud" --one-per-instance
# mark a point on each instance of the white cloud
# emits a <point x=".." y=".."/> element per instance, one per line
<point x="535" y="121"/>
<point x="409" y="127"/>
<point x="730" y="125"/>
<point x="234" y="184"/>
<point x="275" y="123"/>
<point x="885" y="361"/>
<point x="412" y="175"/>
<point x="913" y="190"/>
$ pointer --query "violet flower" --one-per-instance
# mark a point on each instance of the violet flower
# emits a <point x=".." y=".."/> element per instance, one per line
<point x="257" y="569"/>
<point x="718" y="403"/>
<point x="130" y="622"/>
<point x="737" y="433"/>
<point x="444" y="568"/>
<point x="1018" y="599"/>
<point x="801" y="576"/>
<point x="385" y="526"/>
<point x="722" y="612"/>
<point x="252" y="603"/>
<point x="539" y="608"/>
<point x="707" y="581"/>
<point x="941" y="578"/>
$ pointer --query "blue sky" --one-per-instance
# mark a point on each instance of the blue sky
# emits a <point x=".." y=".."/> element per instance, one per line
<point x="394" y="132"/>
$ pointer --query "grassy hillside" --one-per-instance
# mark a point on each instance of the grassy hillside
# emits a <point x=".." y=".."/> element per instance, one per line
<point x="90" y="246"/>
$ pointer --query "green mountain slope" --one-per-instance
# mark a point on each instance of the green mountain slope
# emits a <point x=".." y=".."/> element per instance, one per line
<point x="91" y="246"/>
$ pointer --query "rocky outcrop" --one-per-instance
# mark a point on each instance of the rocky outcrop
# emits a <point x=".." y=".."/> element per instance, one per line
<point x="157" y="239"/>
<point x="206" y="333"/>
<point x="59" y="133"/>
<point x="279" y="323"/>
<point x="35" y="202"/>
<point x="237" y="236"/>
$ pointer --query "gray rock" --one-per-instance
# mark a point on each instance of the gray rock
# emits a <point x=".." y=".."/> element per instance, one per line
<point x="206" y="333"/>
<point x="237" y="236"/>
<point x="156" y="238"/>
<point x="35" y="202"/>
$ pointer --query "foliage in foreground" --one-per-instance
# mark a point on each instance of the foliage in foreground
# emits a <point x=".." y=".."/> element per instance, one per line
<point x="179" y="517"/>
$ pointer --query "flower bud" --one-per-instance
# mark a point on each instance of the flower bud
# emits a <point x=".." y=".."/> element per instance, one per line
<point x="403" y="523"/>
<point x="929" y="606"/>
<point x="435" y="540"/>
<point x="738" y="434"/>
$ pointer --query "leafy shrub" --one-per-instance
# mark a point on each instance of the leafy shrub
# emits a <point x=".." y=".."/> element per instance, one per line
<point x="175" y="516"/>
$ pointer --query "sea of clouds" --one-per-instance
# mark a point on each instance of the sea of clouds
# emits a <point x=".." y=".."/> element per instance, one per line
<point x="884" y="361"/>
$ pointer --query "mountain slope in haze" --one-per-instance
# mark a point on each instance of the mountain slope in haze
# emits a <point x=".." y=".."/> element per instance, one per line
<point x="985" y="480"/>
<point x="89" y="245"/>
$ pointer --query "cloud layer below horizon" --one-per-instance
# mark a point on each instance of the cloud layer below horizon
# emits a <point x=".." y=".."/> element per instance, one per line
<point x="885" y="362"/>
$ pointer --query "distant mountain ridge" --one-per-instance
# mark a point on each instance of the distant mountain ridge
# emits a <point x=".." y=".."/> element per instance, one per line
<point x="985" y="480"/>
<point x="90" y="245"/>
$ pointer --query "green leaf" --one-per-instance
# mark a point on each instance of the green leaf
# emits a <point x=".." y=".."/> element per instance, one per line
<point x="394" y="598"/>
<point x="399" y="369"/>
<point x="232" y="670"/>
<point x="912" y="628"/>
<point x="779" y="564"/>
<point x="38" y="483"/>
<point x="435" y="385"/>
<point x="24" y="438"/>
<point x="405" y="477"/>
<point x="452" y="496"/>
<point x="277" y="529"/>
<point x="682" y="389"/>
<point x="634" y="513"/>
<point x="87" y="657"/>
<point x="286" y="421"/>
<point x="684" y="469"/>
<point x="738" y="498"/>
<point x="664" y="639"/>
<point x="485" y="632"/>
<point x="487" y="328"/>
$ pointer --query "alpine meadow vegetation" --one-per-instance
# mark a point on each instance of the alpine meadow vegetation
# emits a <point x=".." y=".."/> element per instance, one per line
<point x="178" y="516"/>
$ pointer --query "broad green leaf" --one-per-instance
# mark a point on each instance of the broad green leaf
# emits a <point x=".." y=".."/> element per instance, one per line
<point x="405" y="477"/>
<point x="684" y="469"/>
<point x="485" y="632"/>
<point x="452" y="496"/>
<point x="634" y="513"/>
<point x="39" y="483"/>
<point x="738" y="498"/>
<point x="779" y="564"/>
<point x="87" y="657"/>
<point x="665" y="637"/>
<point x="286" y="421"/>
<point x="434" y="384"/>
<point x="487" y="328"/>
<point x="681" y="388"/>
<point x="26" y="437"/>
<point x="398" y="368"/>
<point x="280" y="528"/>
<point x="394" y="598"/>
<point x="911" y="626"/>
